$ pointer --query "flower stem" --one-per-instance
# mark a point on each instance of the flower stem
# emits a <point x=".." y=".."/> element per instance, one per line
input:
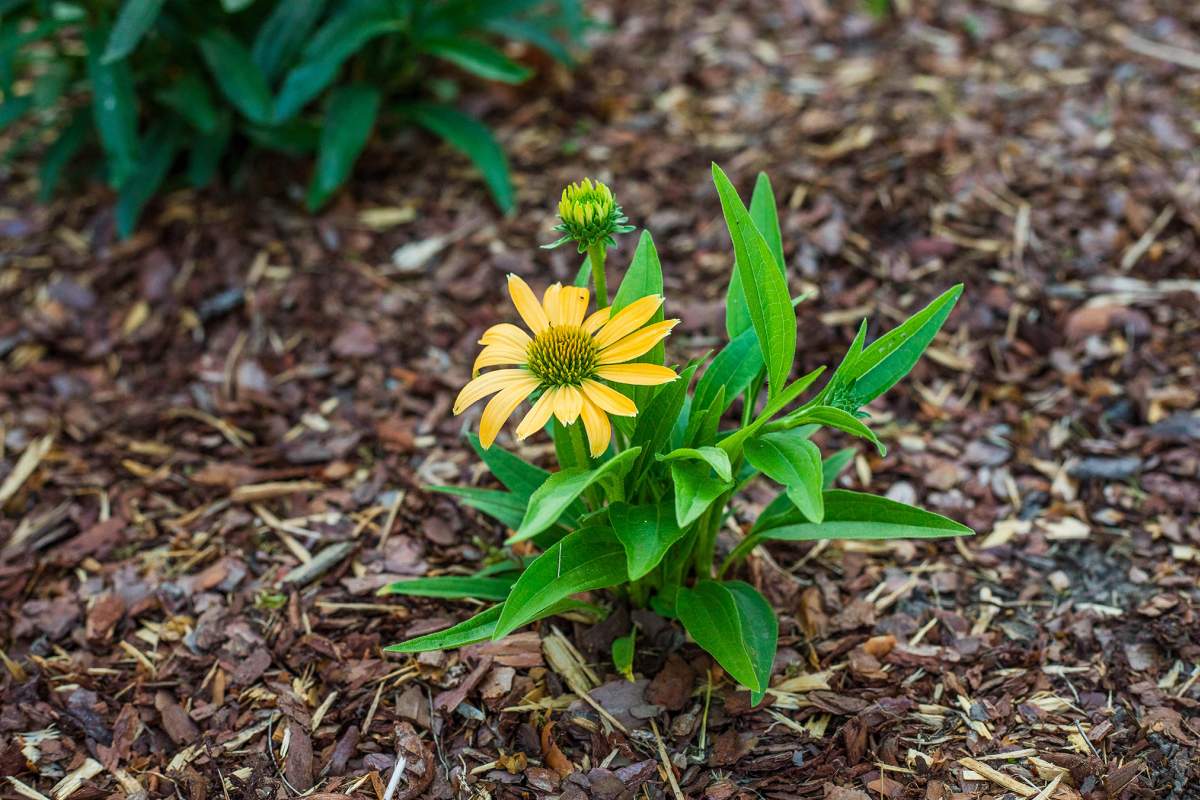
<point x="596" y="255"/>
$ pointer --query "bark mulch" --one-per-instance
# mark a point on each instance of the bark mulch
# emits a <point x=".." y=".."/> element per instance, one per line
<point x="213" y="436"/>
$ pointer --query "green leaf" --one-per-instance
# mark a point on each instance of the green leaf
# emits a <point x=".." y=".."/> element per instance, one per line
<point x="234" y="6"/>
<point x="695" y="490"/>
<point x="590" y="558"/>
<point x="656" y="420"/>
<point x="471" y="137"/>
<point x="208" y="150"/>
<point x="734" y="368"/>
<point x="794" y="462"/>
<point x="237" y="75"/>
<point x="562" y="488"/>
<point x="326" y="51"/>
<point x="349" y="119"/>
<point x="115" y="109"/>
<point x="519" y="476"/>
<point x="133" y="21"/>
<point x="280" y="38"/>
<point x="769" y="304"/>
<point x="893" y="355"/>
<point x="478" y="628"/>
<point x="162" y="142"/>
<point x="622" y="654"/>
<point x="505" y="507"/>
<point x="832" y="417"/>
<point x="855" y="515"/>
<point x="766" y="218"/>
<point x="832" y="466"/>
<point x="60" y="153"/>
<point x="643" y="278"/>
<point x="715" y="457"/>
<point x="736" y="625"/>
<point x="731" y="443"/>
<point x="704" y="424"/>
<point x="13" y="108"/>
<point x="646" y="532"/>
<point x="452" y="587"/>
<point x="189" y="98"/>
<point x="477" y="58"/>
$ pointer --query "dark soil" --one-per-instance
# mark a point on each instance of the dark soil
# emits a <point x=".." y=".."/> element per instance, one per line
<point x="213" y="436"/>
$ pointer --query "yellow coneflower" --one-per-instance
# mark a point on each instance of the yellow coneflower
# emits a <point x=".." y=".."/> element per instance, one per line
<point x="567" y="359"/>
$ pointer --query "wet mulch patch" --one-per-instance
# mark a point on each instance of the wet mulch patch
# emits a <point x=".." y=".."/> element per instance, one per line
<point x="214" y="436"/>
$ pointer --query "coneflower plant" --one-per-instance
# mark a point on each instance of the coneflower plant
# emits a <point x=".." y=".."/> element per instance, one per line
<point x="651" y="457"/>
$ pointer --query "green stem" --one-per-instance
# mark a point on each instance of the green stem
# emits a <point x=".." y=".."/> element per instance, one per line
<point x="596" y="255"/>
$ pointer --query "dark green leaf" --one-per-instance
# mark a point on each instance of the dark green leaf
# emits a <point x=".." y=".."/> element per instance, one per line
<point x="590" y="558"/>
<point x="208" y="149"/>
<point x="477" y="58"/>
<point x="237" y="75"/>
<point x="695" y="490"/>
<point x="324" y="54"/>
<point x="349" y="119"/>
<point x="764" y="285"/>
<point x="162" y="142"/>
<point x="794" y="462"/>
<point x="736" y="625"/>
<point x="893" y="355"/>
<point x="133" y="21"/>
<point x="478" y="628"/>
<point x="453" y="587"/>
<point x="13" y="108"/>
<point x="715" y="457"/>
<point x="473" y="138"/>
<point x="189" y="98"/>
<point x="766" y="218"/>
<point x="656" y="420"/>
<point x="646" y="532"/>
<point x="59" y="154"/>
<point x="505" y="507"/>
<point x="562" y="488"/>
<point x="734" y="368"/>
<point x="282" y="35"/>
<point x="115" y="109"/>
<point x="855" y="515"/>
<point x="832" y="417"/>
<point x="832" y="466"/>
<point x="521" y="477"/>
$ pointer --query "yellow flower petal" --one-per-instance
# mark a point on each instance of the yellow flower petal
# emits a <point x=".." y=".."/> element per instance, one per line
<point x="636" y="344"/>
<point x="550" y="303"/>
<point x="486" y="384"/>
<point x="538" y="416"/>
<point x="572" y="305"/>
<point x="498" y="355"/>
<point x="501" y="406"/>
<point x="595" y="423"/>
<point x="527" y="305"/>
<point x="637" y="374"/>
<point x="593" y="323"/>
<point x="567" y="402"/>
<point x="505" y="333"/>
<point x="608" y="399"/>
<point x="628" y="319"/>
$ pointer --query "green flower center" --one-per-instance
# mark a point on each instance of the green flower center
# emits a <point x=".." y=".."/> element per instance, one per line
<point x="563" y="355"/>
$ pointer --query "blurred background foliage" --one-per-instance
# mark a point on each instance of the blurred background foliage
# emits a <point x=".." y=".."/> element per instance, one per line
<point x="146" y="91"/>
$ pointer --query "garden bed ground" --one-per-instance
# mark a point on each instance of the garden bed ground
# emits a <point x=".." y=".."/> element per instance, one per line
<point x="213" y="436"/>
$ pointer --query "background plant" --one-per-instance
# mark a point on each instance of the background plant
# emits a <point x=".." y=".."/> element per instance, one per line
<point x="149" y="83"/>
<point x="644" y="517"/>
